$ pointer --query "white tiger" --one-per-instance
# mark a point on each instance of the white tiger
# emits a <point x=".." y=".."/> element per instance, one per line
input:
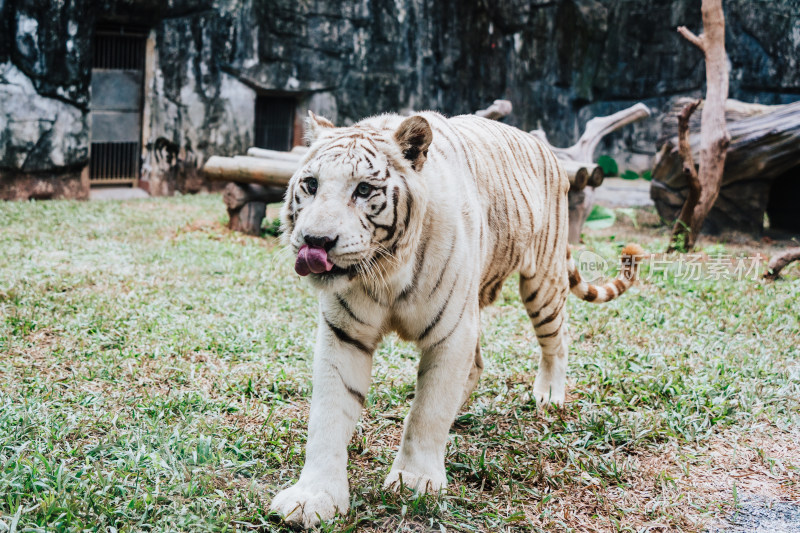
<point x="412" y="225"/>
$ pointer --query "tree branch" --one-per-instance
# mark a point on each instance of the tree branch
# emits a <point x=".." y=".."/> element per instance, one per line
<point x="714" y="136"/>
<point x="499" y="109"/>
<point x="779" y="262"/>
<point x="697" y="40"/>
<point x="596" y="129"/>
<point x="681" y="232"/>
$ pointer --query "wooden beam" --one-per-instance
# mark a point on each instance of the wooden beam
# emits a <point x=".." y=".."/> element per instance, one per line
<point x="245" y="169"/>
<point x="274" y="171"/>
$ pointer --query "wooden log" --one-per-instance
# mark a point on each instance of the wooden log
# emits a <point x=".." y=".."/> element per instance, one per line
<point x="579" y="208"/>
<point x="582" y="174"/>
<point x="249" y="218"/>
<point x="245" y="169"/>
<point x="735" y="111"/>
<point x="240" y="193"/>
<point x="259" y="170"/>
<point x="764" y="146"/>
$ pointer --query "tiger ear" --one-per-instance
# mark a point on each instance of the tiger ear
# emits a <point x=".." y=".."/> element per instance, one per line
<point x="316" y="127"/>
<point x="414" y="137"/>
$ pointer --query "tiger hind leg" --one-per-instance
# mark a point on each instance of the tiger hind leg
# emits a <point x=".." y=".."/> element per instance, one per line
<point x="545" y="302"/>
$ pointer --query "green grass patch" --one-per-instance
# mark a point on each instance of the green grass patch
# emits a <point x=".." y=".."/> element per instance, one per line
<point x="155" y="373"/>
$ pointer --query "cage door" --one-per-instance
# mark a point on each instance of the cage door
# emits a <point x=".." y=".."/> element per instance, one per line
<point x="275" y="122"/>
<point x="116" y="105"/>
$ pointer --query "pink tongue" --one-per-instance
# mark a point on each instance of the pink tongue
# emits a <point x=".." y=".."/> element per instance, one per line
<point x="312" y="260"/>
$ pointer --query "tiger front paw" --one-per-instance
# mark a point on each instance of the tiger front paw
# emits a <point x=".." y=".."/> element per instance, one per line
<point x="306" y="505"/>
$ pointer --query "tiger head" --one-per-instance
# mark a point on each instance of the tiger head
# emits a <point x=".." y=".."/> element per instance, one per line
<point x="355" y="206"/>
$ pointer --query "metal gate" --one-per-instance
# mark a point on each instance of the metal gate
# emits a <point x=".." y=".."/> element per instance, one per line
<point x="275" y="122"/>
<point x="116" y="105"/>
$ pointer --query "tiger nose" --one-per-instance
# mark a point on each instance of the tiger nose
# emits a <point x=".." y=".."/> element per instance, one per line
<point x="317" y="241"/>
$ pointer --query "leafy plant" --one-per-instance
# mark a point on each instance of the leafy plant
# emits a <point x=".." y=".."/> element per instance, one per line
<point x="600" y="217"/>
<point x="608" y="164"/>
<point x="272" y="228"/>
<point x="630" y="213"/>
<point x="630" y="175"/>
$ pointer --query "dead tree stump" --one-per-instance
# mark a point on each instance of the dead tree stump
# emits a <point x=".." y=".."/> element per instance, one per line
<point x="764" y="152"/>
<point x="705" y="181"/>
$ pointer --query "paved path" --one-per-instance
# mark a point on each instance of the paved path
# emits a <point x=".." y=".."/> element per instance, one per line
<point x="617" y="192"/>
<point x="757" y="514"/>
<point x="117" y="193"/>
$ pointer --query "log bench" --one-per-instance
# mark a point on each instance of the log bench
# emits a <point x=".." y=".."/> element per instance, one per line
<point x="261" y="176"/>
<point x="258" y="181"/>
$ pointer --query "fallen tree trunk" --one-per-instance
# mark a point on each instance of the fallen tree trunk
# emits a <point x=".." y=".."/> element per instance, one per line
<point x="581" y="154"/>
<point x="764" y="148"/>
<point x="780" y="261"/>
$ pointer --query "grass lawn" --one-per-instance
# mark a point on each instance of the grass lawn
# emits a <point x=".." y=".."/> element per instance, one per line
<point x="155" y="374"/>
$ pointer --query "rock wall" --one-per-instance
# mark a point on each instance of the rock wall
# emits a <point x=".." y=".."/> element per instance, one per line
<point x="44" y="97"/>
<point x="560" y="62"/>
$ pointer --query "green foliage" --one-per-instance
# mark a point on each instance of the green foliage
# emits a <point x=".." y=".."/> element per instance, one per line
<point x="272" y="228"/>
<point x="600" y="218"/>
<point x="608" y="164"/>
<point x="647" y="175"/>
<point x="630" y="213"/>
<point x="630" y="175"/>
<point x="679" y="242"/>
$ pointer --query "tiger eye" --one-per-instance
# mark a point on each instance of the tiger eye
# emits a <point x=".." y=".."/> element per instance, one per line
<point x="363" y="189"/>
<point x="311" y="185"/>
